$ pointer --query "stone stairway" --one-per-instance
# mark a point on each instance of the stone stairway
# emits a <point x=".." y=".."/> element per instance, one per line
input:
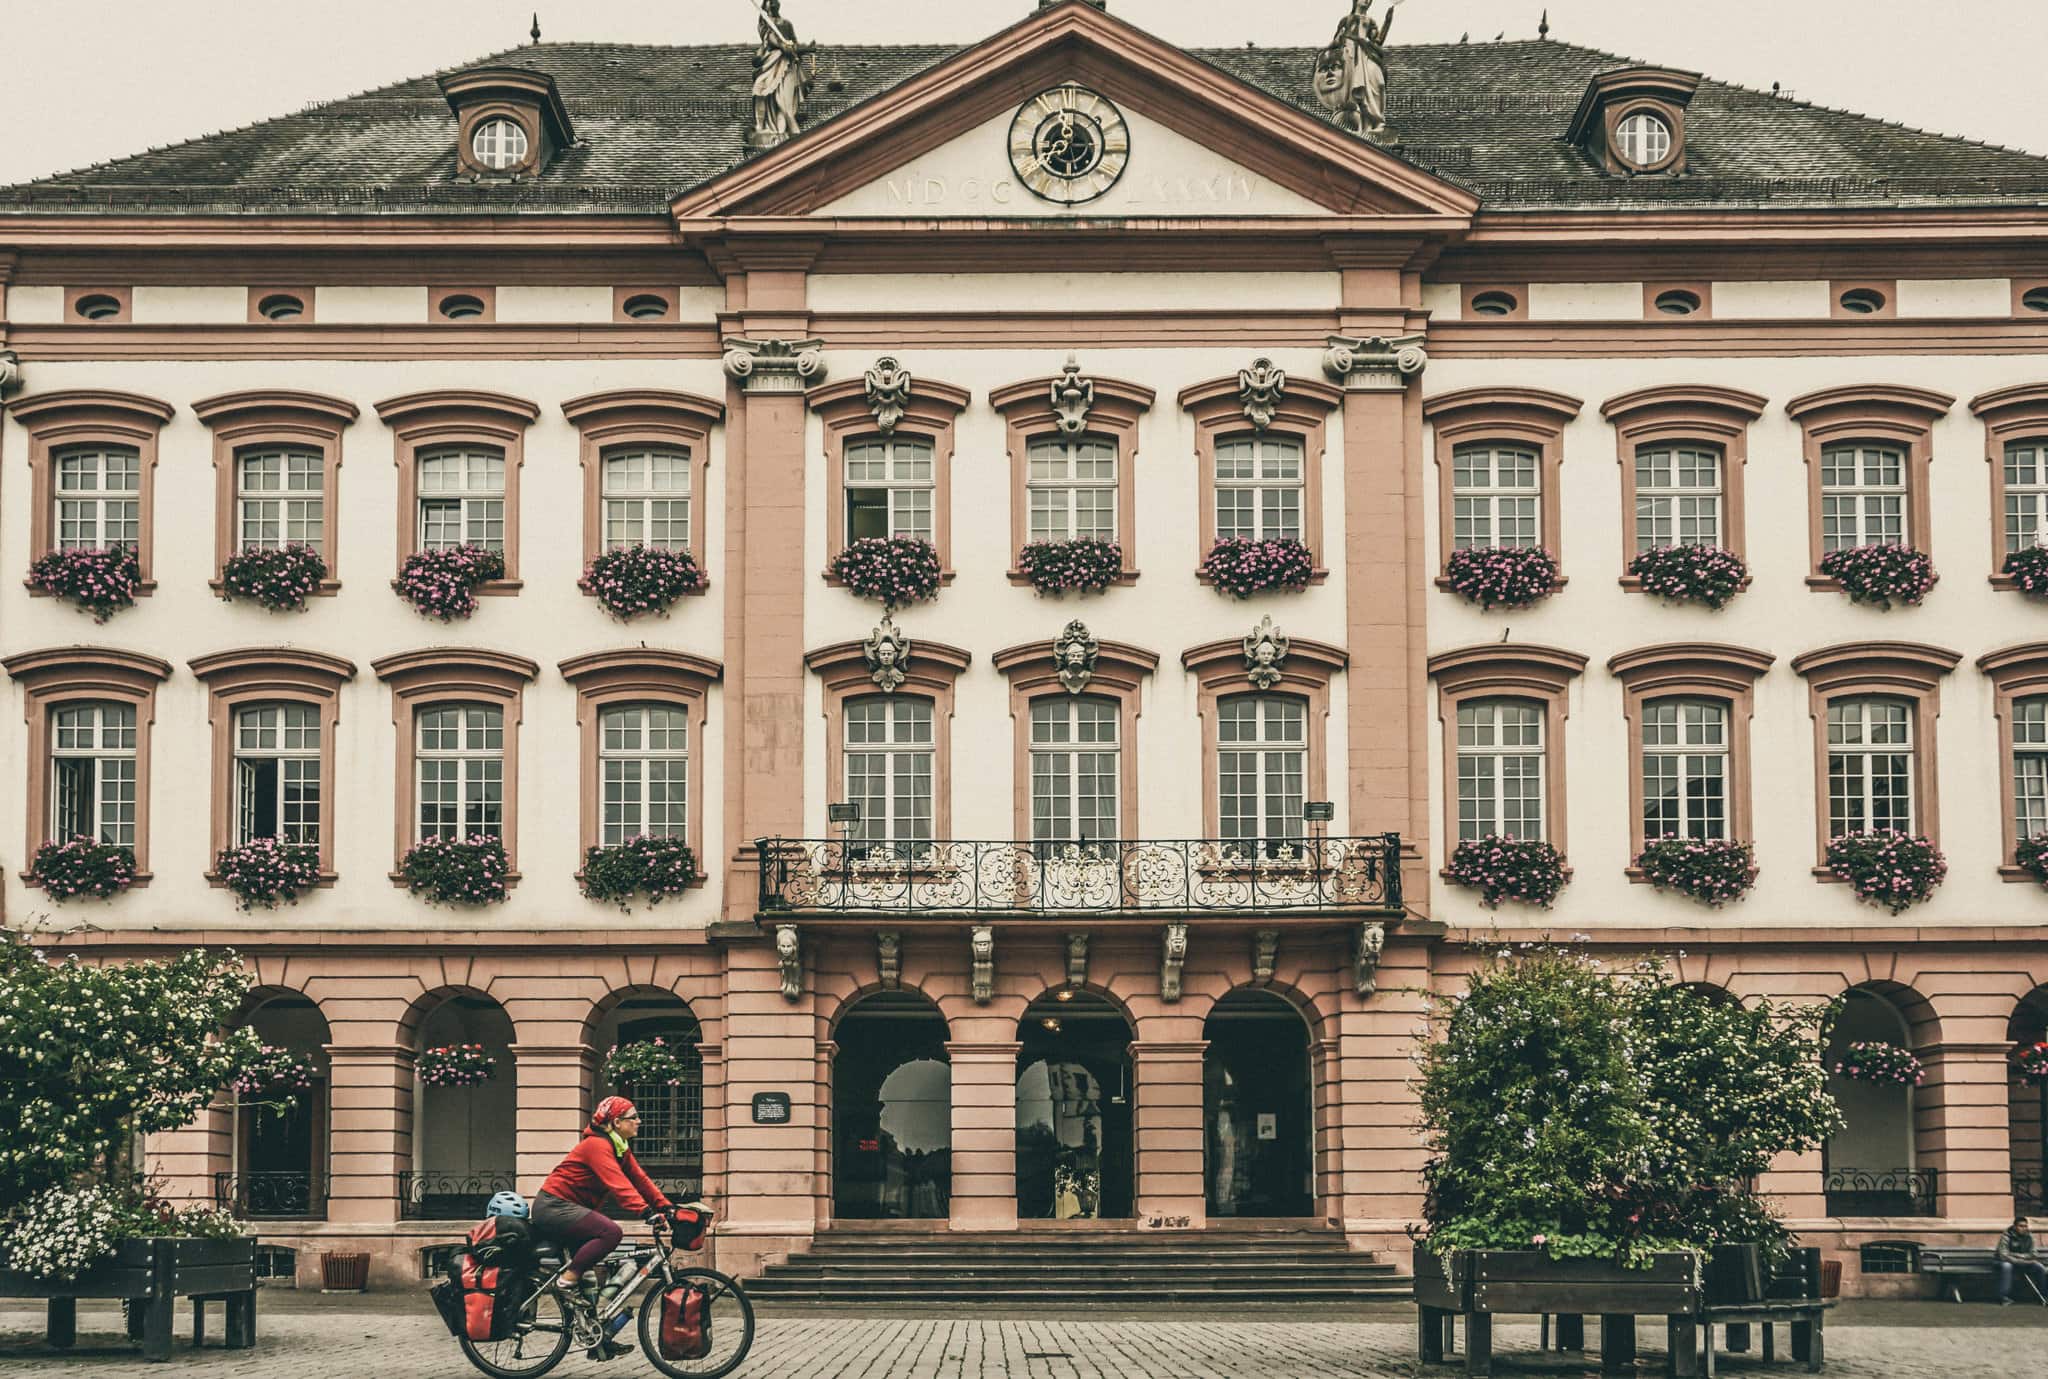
<point x="1287" y="1264"/>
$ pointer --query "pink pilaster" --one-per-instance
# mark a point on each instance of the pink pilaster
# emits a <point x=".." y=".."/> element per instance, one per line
<point x="1168" y="1078"/>
<point x="984" y="1135"/>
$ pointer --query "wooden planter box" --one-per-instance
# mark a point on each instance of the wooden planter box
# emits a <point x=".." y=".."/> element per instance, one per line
<point x="154" y="1274"/>
<point x="1480" y="1284"/>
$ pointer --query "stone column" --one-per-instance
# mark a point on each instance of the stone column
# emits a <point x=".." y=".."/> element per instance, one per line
<point x="712" y="1061"/>
<point x="984" y="1151"/>
<point x="771" y="1045"/>
<point x="1960" y="1129"/>
<point x="1380" y="1151"/>
<point x="1167" y="1083"/>
<point x="369" y="1137"/>
<point x="555" y="1083"/>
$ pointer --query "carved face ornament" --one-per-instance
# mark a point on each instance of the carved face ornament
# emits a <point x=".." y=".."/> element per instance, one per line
<point x="1072" y="396"/>
<point x="885" y="650"/>
<point x="888" y="385"/>
<point x="1265" y="652"/>
<point x="1075" y="654"/>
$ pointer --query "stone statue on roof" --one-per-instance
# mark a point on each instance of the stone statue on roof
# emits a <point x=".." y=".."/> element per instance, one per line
<point x="782" y="79"/>
<point x="1351" y="74"/>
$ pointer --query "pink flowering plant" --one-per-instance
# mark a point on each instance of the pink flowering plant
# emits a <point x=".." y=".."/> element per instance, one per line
<point x="273" y="1078"/>
<point x="2032" y="856"/>
<point x="1706" y="575"/>
<point x="1888" y="868"/>
<point x="1501" y="868"/>
<point x="2028" y="568"/>
<point x="2030" y="1061"/>
<point x="1874" y="1060"/>
<point x="442" y="583"/>
<point x="1502" y="576"/>
<point x="642" y="865"/>
<point x="457" y="871"/>
<point x="1882" y="574"/>
<point x="267" y="871"/>
<point x="1064" y="567"/>
<point x="1241" y="566"/>
<point x="83" y="866"/>
<point x="897" y="570"/>
<point x="102" y="580"/>
<point x="456" y="1065"/>
<point x="1712" y="871"/>
<point x="631" y="580"/>
<point x="280" y="578"/>
<point x="648" y="1063"/>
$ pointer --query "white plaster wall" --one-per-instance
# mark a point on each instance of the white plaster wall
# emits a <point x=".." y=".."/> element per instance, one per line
<point x="35" y="305"/>
<point x="1773" y="300"/>
<point x="554" y="305"/>
<point x="1955" y="297"/>
<point x="1778" y="614"/>
<point x="1167" y="611"/>
<point x="336" y="306"/>
<point x="191" y="305"/>
<point x="1443" y="301"/>
<point x="548" y="621"/>
<point x="1585" y="301"/>
<point x="699" y="303"/>
<point x="1053" y="291"/>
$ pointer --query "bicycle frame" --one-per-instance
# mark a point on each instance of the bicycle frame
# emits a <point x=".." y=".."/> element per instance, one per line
<point x="659" y="1256"/>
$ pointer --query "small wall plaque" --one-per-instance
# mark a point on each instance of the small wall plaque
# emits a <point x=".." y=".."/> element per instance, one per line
<point x="771" y="1108"/>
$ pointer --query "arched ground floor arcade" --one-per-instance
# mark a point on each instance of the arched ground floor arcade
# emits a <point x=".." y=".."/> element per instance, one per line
<point x="1036" y="1080"/>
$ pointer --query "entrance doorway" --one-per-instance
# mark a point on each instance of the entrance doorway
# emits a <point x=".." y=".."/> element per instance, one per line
<point x="892" y="1111"/>
<point x="1258" y="1113"/>
<point x="1074" y="1111"/>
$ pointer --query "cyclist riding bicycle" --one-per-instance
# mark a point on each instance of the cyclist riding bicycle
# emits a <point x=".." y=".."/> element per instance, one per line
<point x="568" y="1208"/>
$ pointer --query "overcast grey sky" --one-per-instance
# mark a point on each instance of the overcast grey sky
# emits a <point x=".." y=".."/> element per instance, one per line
<point x="86" y="80"/>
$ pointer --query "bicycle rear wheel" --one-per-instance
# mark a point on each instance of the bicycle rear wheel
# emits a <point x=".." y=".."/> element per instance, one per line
<point x="536" y="1345"/>
<point x="729" y="1318"/>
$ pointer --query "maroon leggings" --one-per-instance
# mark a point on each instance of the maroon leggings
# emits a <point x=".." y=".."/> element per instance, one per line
<point x="592" y="1233"/>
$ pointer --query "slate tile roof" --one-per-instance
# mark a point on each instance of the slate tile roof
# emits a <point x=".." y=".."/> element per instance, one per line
<point x="655" y="121"/>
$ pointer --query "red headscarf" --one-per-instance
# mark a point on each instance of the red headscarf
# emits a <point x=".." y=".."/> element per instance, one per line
<point x="609" y="1110"/>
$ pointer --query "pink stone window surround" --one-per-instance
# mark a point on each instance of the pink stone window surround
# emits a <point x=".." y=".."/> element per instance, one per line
<point x="463" y="680"/>
<point x="2019" y="681"/>
<point x="78" y="424"/>
<point x="2016" y="454"/>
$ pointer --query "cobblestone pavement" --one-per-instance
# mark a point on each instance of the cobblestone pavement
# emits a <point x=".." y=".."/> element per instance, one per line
<point x="397" y="1338"/>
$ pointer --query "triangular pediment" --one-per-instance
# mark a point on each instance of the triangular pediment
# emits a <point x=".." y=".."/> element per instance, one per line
<point x="1201" y="143"/>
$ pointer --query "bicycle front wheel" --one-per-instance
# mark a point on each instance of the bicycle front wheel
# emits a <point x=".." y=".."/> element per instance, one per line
<point x="536" y="1345"/>
<point x="724" y="1339"/>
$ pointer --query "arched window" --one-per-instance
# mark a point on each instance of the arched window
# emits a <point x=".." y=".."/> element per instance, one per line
<point x="457" y="711"/>
<point x="1500" y="768"/>
<point x="274" y="716"/>
<point x="89" y="715"/>
<point x="459" y="455"/>
<point x="644" y="765"/>
<point x="1075" y="769"/>
<point x="888" y="767"/>
<point x="1502" y="713"/>
<point x="277" y="461"/>
<point x="1874" y="709"/>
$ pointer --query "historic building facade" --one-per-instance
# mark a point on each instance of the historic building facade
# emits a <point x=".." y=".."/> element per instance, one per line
<point x="1015" y="909"/>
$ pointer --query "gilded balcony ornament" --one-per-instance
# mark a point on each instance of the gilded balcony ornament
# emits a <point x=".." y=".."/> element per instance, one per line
<point x="1077" y="959"/>
<point x="889" y="958"/>
<point x="887" y="651"/>
<point x="1173" y="956"/>
<point x="1075" y="653"/>
<point x="982" y="943"/>
<point x="888" y="392"/>
<point x="1365" y="957"/>
<point x="1260" y="388"/>
<point x="1265" y="956"/>
<point x="1072" y="396"/>
<point x="775" y="366"/>
<point x="1265" y="654"/>
<point x="787" y="956"/>
<point x="1374" y="364"/>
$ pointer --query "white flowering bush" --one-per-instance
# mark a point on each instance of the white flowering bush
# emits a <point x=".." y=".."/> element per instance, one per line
<point x="63" y="1232"/>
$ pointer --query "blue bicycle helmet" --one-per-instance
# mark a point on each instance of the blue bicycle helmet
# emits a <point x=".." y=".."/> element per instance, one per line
<point x="507" y="1204"/>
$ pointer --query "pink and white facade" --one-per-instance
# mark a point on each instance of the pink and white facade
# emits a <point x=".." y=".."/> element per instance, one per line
<point x="1081" y="957"/>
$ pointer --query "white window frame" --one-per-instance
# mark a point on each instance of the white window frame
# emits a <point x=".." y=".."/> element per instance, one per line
<point x="1262" y="778"/>
<point x="476" y="504"/>
<point x="1643" y="138"/>
<point x="639" y="511"/>
<point x="499" y="143"/>
<point x="891" y="776"/>
<point x="1058" y="495"/>
<point x="910" y="497"/>
<point x="1485" y="507"/>
<point x="1278" y="506"/>
<point x="1686" y="739"/>
<point x="88" y="514"/>
<point x="293" y="509"/>
<point x="2025" y="519"/>
<point x="93" y="749"/>
<point x="1076" y="752"/>
<point x="1679" y="513"/>
<point x="475" y="766"/>
<point x="1488" y="761"/>
<point x="1855" y="513"/>
<point x="643" y="788"/>
<point x="2030" y="766"/>
<point x="281" y="736"/>
<point x="1856" y="765"/>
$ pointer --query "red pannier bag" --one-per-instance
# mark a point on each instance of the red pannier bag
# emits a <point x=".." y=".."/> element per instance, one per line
<point x="685" y="1323"/>
<point x="479" y="1284"/>
<point x="693" y="1223"/>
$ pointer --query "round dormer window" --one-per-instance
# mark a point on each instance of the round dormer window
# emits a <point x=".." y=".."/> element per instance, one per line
<point x="1642" y="140"/>
<point x="499" y="144"/>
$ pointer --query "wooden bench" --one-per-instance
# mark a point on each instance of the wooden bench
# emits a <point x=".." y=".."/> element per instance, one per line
<point x="1951" y="1265"/>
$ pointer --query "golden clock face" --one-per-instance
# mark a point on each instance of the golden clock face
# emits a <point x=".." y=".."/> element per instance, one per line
<point x="1069" y="145"/>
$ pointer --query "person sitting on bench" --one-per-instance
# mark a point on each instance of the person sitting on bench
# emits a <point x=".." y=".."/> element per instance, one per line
<point x="2015" y="1253"/>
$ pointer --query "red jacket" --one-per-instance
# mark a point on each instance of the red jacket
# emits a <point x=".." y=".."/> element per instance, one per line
<point x="595" y="1172"/>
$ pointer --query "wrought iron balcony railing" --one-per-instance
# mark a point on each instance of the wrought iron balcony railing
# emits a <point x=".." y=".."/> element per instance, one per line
<point x="1153" y="876"/>
<point x="1883" y="1192"/>
<point x="448" y="1196"/>
<point x="271" y="1195"/>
